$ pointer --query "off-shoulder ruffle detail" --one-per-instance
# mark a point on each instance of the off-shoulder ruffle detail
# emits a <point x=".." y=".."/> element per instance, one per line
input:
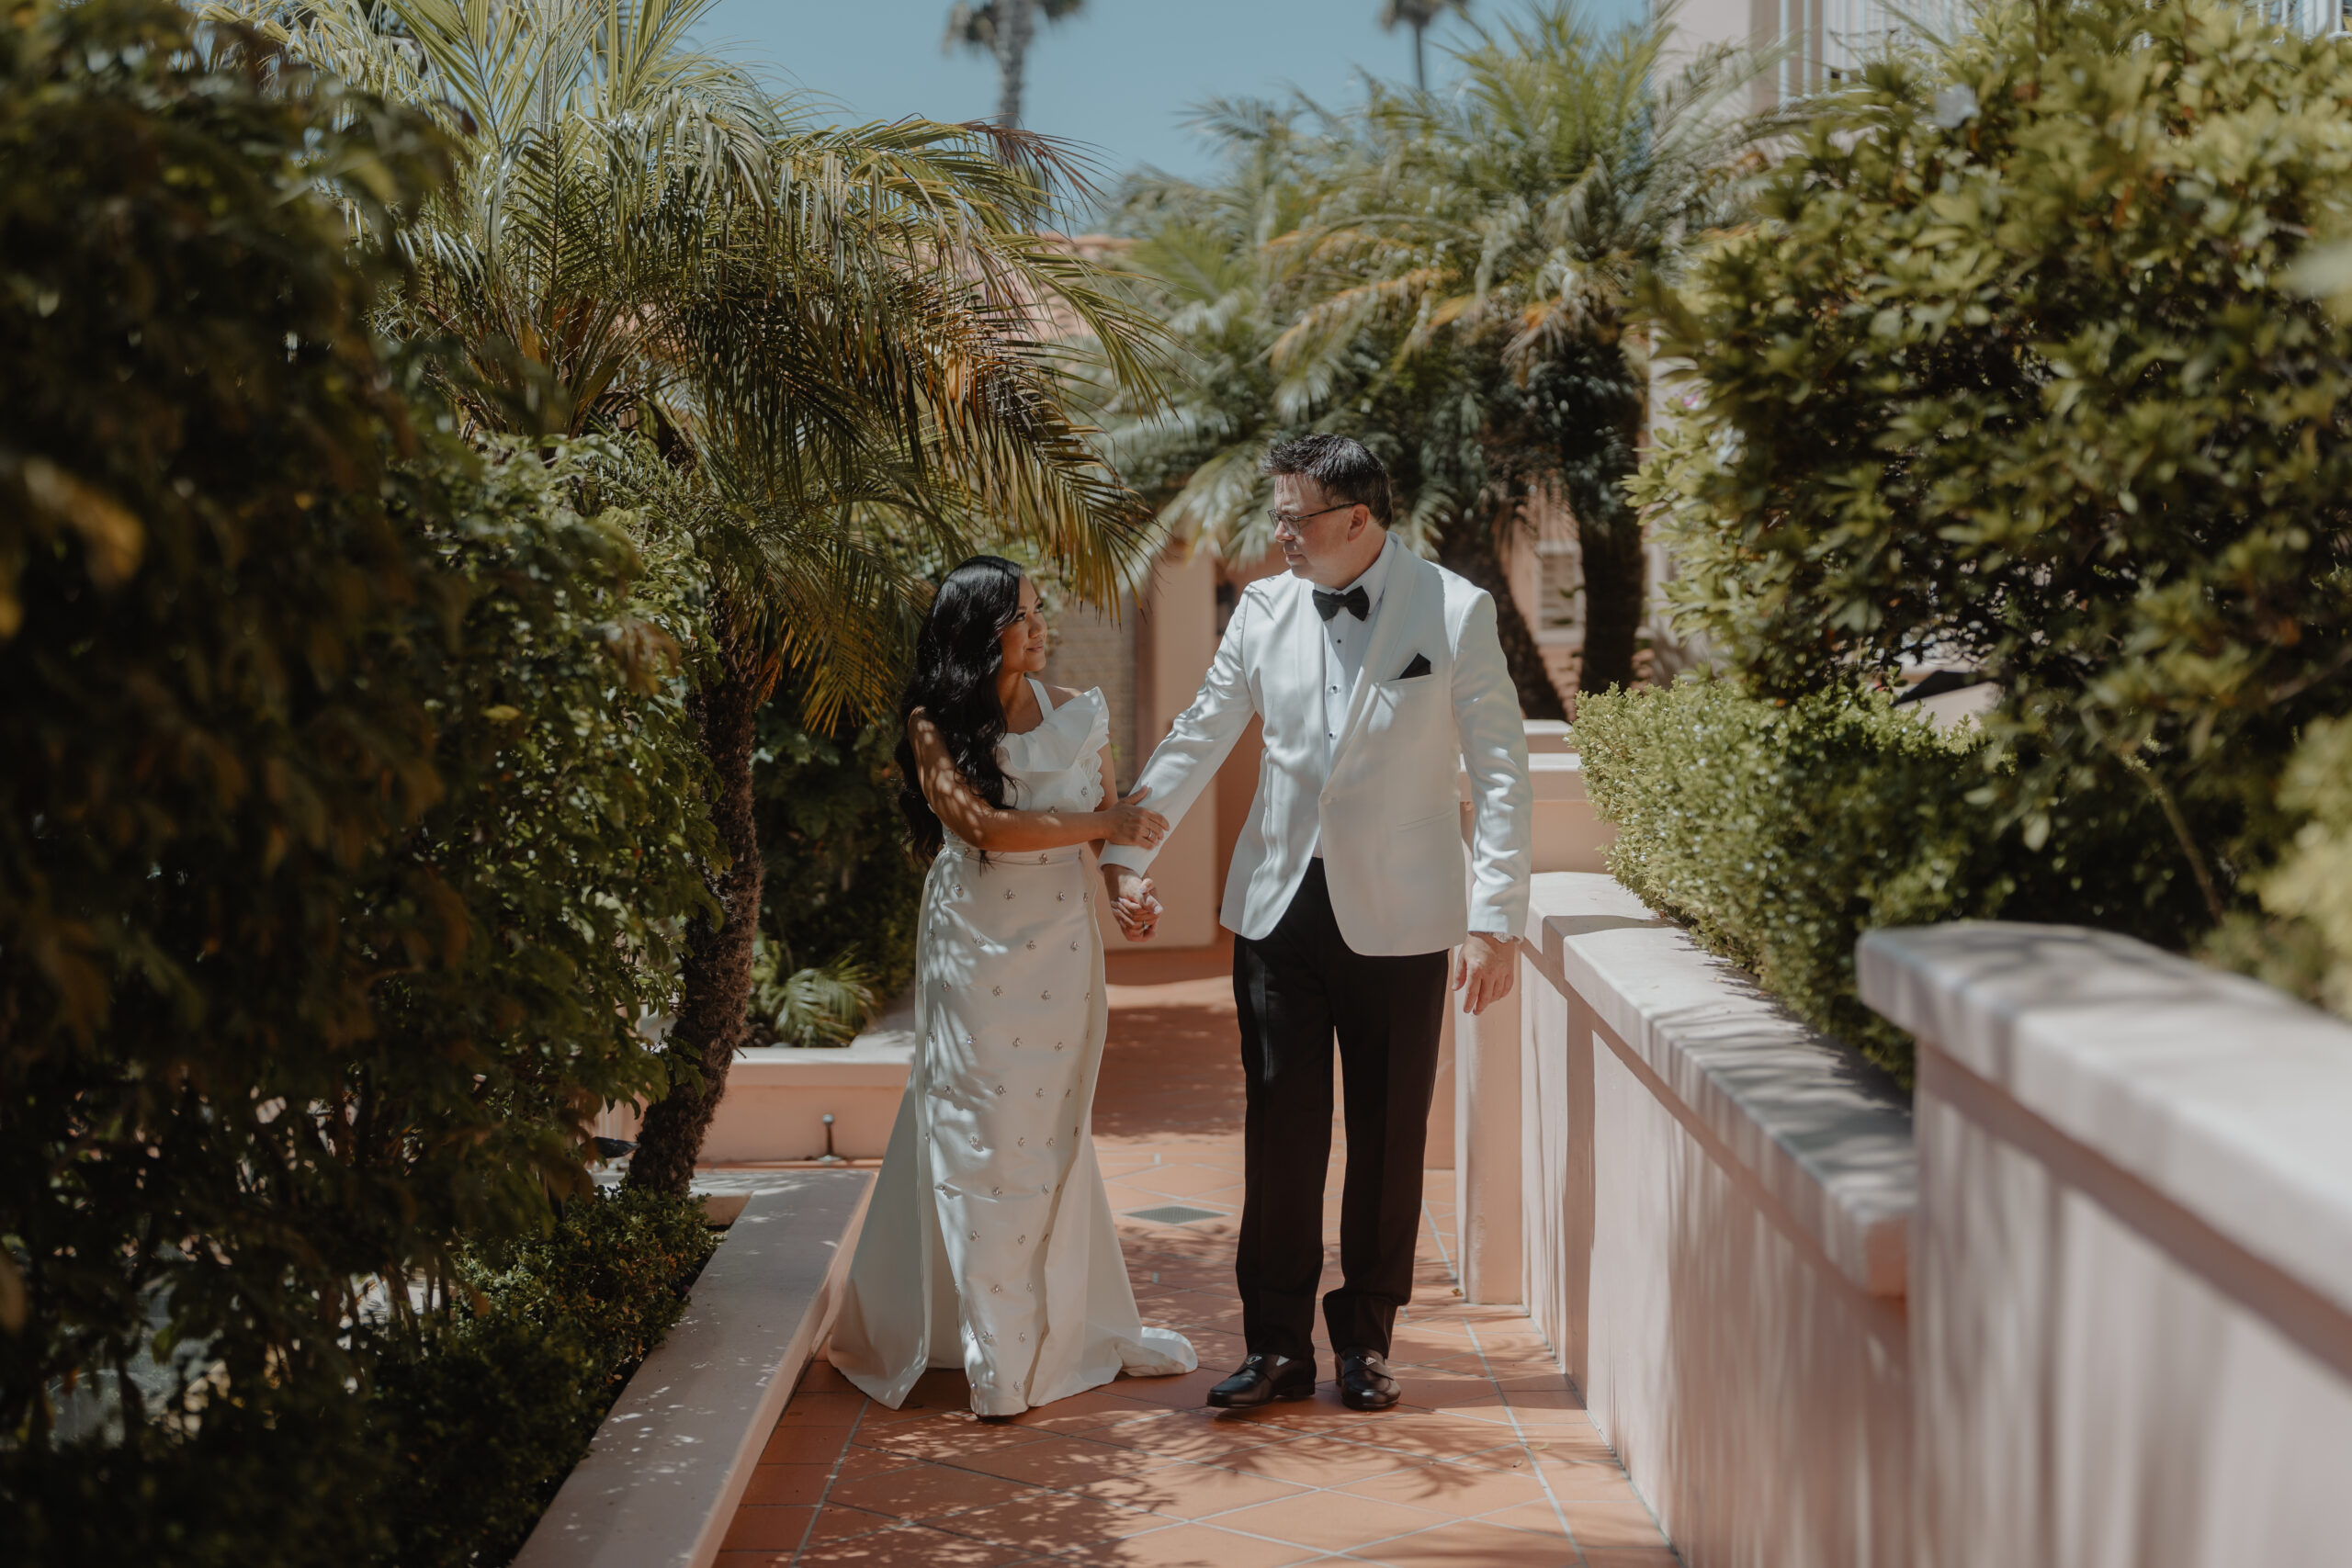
<point x="1077" y="730"/>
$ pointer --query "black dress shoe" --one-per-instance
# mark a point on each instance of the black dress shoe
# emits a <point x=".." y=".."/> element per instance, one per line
<point x="1364" y="1383"/>
<point x="1262" y="1379"/>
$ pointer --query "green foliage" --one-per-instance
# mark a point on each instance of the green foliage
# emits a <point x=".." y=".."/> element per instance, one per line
<point x="2303" y="942"/>
<point x="825" y="1004"/>
<point x="288" y="1486"/>
<point x="2012" y="373"/>
<point x="569" y="831"/>
<point x="1233" y="268"/>
<point x="1780" y="833"/>
<point x="468" y="1418"/>
<point x="850" y="348"/>
<point x="1508" y="220"/>
<point x="1229" y="267"/>
<point x="1450" y="276"/>
<point x="828" y="331"/>
<point x="349" y="806"/>
<point x="486" y="1408"/>
<point x="841" y="890"/>
<point x="213" y="623"/>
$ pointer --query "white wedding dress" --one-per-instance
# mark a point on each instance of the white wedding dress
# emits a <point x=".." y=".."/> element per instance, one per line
<point x="989" y="1244"/>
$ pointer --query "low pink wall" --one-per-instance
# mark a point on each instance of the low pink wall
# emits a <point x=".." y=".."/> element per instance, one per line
<point x="2132" y="1277"/>
<point x="1713" y="1213"/>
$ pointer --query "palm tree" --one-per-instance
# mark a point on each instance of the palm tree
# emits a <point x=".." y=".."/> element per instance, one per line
<point x="1503" y="229"/>
<point x="1004" y="30"/>
<point x="1230" y="267"/>
<point x="1209" y="260"/>
<point x="1417" y="14"/>
<point x="818" y="357"/>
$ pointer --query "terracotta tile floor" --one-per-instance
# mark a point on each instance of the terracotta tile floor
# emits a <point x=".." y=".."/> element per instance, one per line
<point x="1491" y="1462"/>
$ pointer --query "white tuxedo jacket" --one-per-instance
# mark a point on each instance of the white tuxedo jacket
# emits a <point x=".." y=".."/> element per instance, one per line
<point x="1387" y="816"/>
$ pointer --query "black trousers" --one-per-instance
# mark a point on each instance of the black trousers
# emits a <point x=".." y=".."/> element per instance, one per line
<point x="1296" y="988"/>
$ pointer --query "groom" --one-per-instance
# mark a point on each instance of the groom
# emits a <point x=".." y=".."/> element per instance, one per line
<point x="1374" y="671"/>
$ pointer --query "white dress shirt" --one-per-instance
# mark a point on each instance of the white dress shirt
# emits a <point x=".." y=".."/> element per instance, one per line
<point x="1344" y="640"/>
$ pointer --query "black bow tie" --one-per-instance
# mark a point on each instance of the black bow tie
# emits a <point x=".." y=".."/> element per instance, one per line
<point x="1355" y="601"/>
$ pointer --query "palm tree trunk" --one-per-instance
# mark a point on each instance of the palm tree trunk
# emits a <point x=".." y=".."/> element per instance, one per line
<point x="1475" y="548"/>
<point x="1017" y="26"/>
<point x="1420" y="63"/>
<point x="1614" y="588"/>
<point x="715" y="978"/>
<point x="1609" y="540"/>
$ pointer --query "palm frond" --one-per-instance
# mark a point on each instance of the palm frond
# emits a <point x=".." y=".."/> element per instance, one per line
<point x="856" y="348"/>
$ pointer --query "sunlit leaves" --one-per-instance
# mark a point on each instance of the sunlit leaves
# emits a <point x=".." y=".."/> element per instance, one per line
<point x="2028" y="387"/>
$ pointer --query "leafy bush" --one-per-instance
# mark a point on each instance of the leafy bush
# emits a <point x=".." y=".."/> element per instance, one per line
<point x="2303" y="940"/>
<point x="1780" y="833"/>
<point x="486" y="1409"/>
<point x="2012" y="372"/>
<point x="348" y="799"/>
<point x="822" y="1005"/>
<point x="568" y="834"/>
<point x="838" y="910"/>
<point x="208" y="610"/>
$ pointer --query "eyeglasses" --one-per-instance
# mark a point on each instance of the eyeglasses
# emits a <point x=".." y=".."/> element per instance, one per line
<point x="1292" y="521"/>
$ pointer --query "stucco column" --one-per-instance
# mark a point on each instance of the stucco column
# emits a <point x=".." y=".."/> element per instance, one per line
<point x="1486" y="1148"/>
<point x="1175" y="639"/>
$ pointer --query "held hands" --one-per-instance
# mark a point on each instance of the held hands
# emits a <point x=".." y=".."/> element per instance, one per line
<point x="1484" y="968"/>
<point x="1127" y="823"/>
<point x="1132" y="903"/>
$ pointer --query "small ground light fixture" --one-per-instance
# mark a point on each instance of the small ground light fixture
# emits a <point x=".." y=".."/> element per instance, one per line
<point x="829" y="1157"/>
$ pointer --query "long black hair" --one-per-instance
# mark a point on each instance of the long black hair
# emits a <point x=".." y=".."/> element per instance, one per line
<point x="958" y="656"/>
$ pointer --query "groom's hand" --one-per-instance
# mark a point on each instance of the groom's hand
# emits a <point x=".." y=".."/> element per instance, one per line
<point x="1132" y="903"/>
<point x="1484" y="967"/>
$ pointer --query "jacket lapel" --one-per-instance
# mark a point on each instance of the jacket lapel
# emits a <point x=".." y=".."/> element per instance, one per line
<point x="1298" y="634"/>
<point x="1398" y="604"/>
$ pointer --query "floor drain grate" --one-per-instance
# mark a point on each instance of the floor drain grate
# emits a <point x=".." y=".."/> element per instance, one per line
<point x="1174" y="1214"/>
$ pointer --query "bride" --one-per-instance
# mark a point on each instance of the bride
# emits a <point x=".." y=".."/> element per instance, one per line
<point x="989" y="1244"/>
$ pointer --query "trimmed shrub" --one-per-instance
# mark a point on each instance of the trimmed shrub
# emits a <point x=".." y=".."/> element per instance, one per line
<point x="1780" y="833"/>
<point x="2013" y="370"/>
<point x="210" y="618"/>
<point x="2302" y="942"/>
<point x="348" y="801"/>
<point x="487" y="1408"/>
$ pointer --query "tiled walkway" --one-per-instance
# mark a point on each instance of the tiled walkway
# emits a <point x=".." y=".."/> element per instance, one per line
<point x="1490" y="1461"/>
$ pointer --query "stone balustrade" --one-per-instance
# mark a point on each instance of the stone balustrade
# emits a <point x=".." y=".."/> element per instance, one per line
<point x="1705" y="1206"/>
<point x="2132" y="1264"/>
<point x="2092" y="1306"/>
<point x="670" y="1463"/>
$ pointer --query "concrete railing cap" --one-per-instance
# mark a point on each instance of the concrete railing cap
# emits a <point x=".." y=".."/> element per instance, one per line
<point x="673" y="1458"/>
<point x="2231" y="1098"/>
<point x="1826" y="1133"/>
<point x="877" y="1058"/>
<point x="1556" y="775"/>
<point x="1546" y="735"/>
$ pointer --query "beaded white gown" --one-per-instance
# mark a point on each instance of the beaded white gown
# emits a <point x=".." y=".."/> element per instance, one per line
<point x="989" y="1244"/>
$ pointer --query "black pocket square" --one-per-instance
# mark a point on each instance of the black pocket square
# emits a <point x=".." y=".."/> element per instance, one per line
<point x="1420" y="666"/>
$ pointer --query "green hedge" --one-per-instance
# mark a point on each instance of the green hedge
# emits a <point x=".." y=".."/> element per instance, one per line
<point x="485" y="1411"/>
<point x="2012" y="368"/>
<point x="2302" y="940"/>
<point x="463" y="1423"/>
<point x="1779" y="833"/>
<point x="349" y="805"/>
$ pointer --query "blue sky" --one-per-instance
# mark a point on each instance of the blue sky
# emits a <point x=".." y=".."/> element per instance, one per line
<point x="1118" y="75"/>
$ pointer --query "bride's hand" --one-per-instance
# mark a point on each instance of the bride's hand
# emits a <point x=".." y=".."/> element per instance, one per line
<point x="1127" y="823"/>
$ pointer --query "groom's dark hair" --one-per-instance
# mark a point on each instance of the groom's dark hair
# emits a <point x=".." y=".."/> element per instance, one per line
<point x="1342" y="465"/>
